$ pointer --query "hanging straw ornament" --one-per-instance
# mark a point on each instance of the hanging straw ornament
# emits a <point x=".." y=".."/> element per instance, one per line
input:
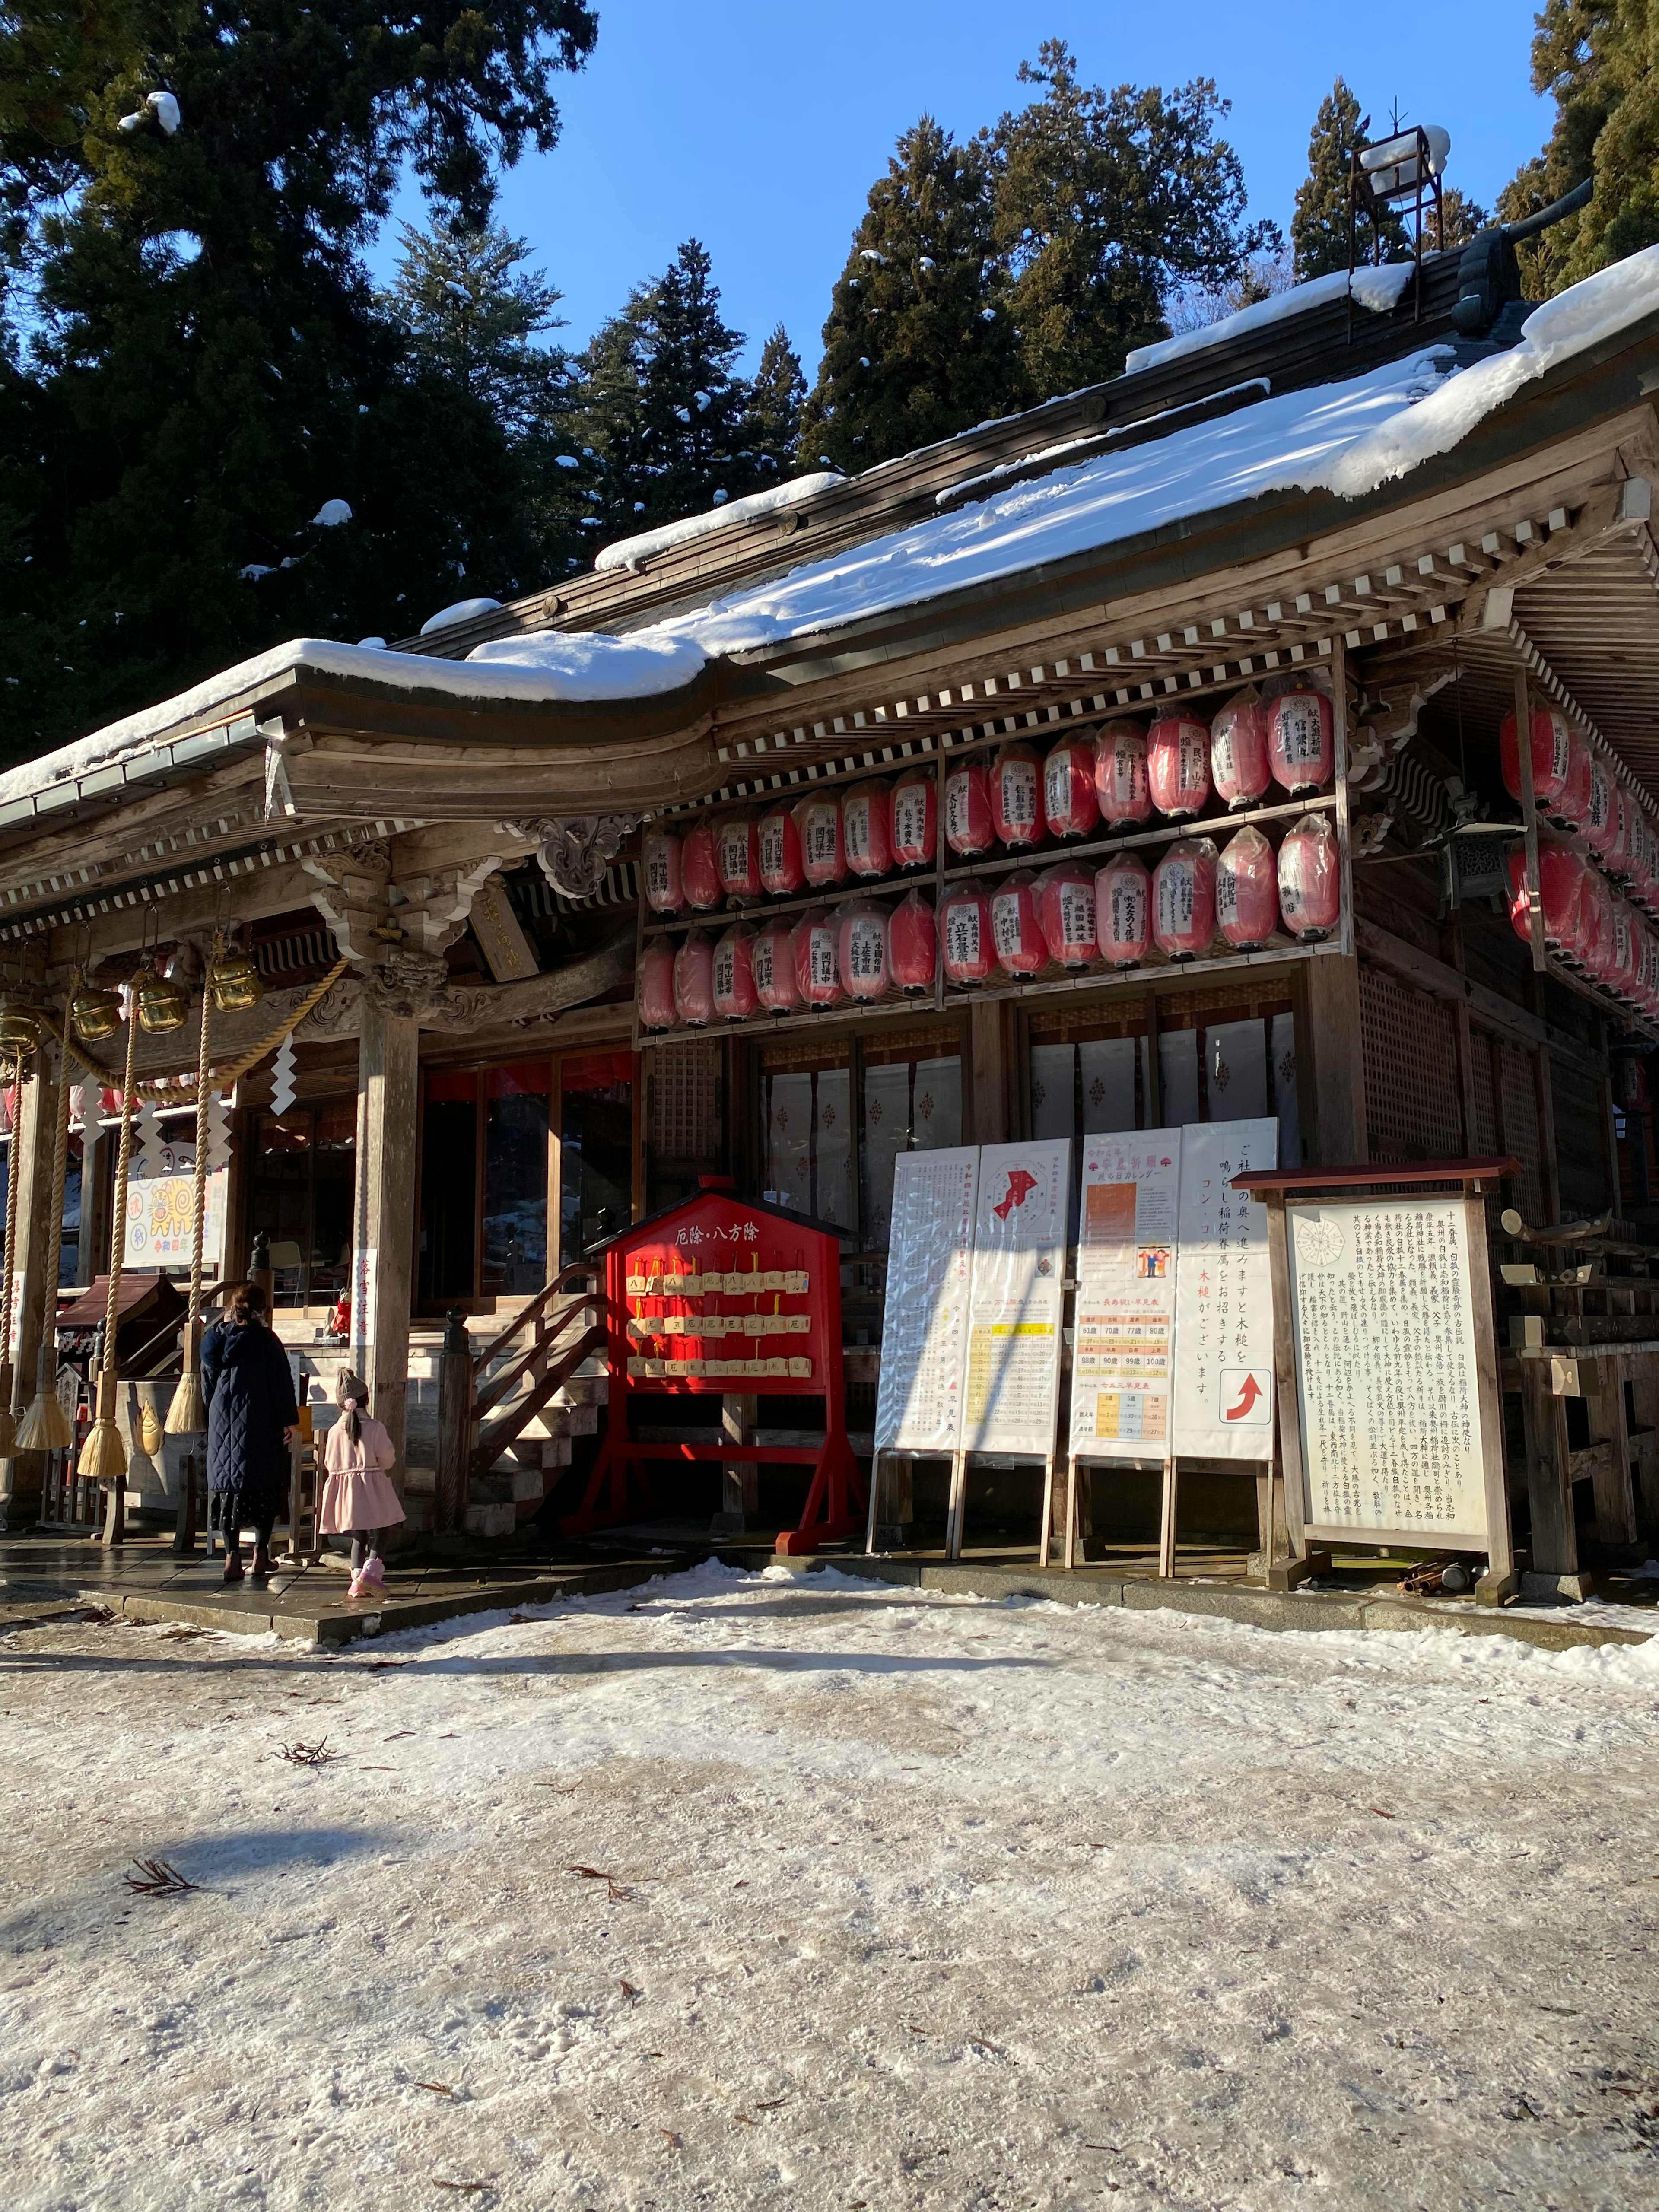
<point x="103" y="1455"/>
<point x="187" y="1414"/>
<point x="46" y="1426"/>
<point x="13" y="1163"/>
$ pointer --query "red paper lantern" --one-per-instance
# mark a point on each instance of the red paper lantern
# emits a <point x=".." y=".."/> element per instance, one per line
<point x="1600" y="823"/>
<point x="782" y="872"/>
<point x="912" y="943"/>
<point x="867" y="829"/>
<point x="1247" y="891"/>
<point x="915" y="819"/>
<point x="818" y="963"/>
<point x="1630" y="1083"/>
<point x="700" y="874"/>
<point x="968" y="827"/>
<point x="655" y="989"/>
<point x="1571" y="809"/>
<point x="736" y="855"/>
<point x="1238" y="750"/>
<point x="735" y="997"/>
<point x="660" y="851"/>
<point x="1301" y="739"/>
<point x="1065" y="907"/>
<point x="1551" y="755"/>
<point x="823" y="855"/>
<point x="1178" y="765"/>
<point x="1016" y="926"/>
<point x="1015" y="813"/>
<point x="1310" y="879"/>
<point x="1123" y="911"/>
<point x="1122" y="791"/>
<point x="1626" y="950"/>
<point x="861" y="948"/>
<point x="1595" y="951"/>
<point x="1616" y="857"/>
<point x="1569" y="921"/>
<point x="1068" y="789"/>
<point x="1183" y="899"/>
<point x="694" y="980"/>
<point x="970" y="947"/>
<point x="772" y="959"/>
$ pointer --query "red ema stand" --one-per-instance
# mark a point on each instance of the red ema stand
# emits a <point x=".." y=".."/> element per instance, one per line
<point x="723" y="1295"/>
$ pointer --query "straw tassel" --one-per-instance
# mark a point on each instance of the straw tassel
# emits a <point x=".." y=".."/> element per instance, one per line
<point x="187" y="1414"/>
<point x="103" y="1455"/>
<point x="46" y="1425"/>
<point x="13" y="1163"/>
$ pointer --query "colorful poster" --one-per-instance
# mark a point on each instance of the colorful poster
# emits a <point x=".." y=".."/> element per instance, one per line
<point x="924" y="1326"/>
<point x="1125" y="1297"/>
<point x="160" y="1209"/>
<point x="1014" y="1329"/>
<point x="1223" y="1346"/>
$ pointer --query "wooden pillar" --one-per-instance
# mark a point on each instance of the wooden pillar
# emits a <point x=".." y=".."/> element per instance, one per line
<point x="22" y="1476"/>
<point x="989" y="1073"/>
<point x="1554" y="1547"/>
<point x="739" y="1478"/>
<point x="1336" y="1043"/>
<point x="388" y="1148"/>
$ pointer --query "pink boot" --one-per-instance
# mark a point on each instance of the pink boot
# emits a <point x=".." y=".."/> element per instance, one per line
<point x="370" y="1580"/>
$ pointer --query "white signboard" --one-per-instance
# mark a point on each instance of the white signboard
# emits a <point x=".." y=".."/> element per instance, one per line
<point x="1224" y="1360"/>
<point x="1382" y="1310"/>
<point x="1014" y="1321"/>
<point x="924" y="1341"/>
<point x="1126" y="1297"/>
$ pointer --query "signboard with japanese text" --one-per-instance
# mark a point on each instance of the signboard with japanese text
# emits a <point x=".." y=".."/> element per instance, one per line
<point x="924" y="1343"/>
<point x="1388" y="1380"/>
<point x="1125" y="1297"/>
<point x="1015" y="1302"/>
<point x="161" y="1209"/>
<point x="1223" y="1346"/>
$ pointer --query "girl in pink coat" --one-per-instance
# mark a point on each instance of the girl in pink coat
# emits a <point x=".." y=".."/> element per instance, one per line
<point x="358" y="1498"/>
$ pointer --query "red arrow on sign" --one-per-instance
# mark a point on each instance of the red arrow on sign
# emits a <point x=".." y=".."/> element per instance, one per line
<point x="1247" y="1397"/>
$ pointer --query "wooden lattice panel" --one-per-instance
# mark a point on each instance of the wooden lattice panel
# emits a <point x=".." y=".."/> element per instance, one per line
<point x="1521" y="1131"/>
<point x="682" y="1090"/>
<point x="1486" y="1135"/>
<point x="1414" y="1102"/>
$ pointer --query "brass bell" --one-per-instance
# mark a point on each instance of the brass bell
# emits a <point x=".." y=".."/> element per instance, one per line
<point x="163" y="1005"/>
<point x="96" y="1014"/>
<point x="235" y="983"/>
<point x="20" y="1028"/>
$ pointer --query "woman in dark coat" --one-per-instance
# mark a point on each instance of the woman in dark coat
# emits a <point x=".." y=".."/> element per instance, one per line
<point x="249" y="1388"/>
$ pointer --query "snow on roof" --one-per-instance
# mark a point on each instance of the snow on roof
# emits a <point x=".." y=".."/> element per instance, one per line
<point x="1379" y="289"/>
<point x="650" y="543"/>
<point x="462" y="610"/>
<point x="591" y="665"/>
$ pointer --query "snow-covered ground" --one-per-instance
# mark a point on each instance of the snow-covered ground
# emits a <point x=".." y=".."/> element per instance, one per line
<point x="912" y="1901"/>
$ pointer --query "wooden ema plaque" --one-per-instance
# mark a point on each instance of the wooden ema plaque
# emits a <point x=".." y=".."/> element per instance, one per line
<point x="723" y="1296"/>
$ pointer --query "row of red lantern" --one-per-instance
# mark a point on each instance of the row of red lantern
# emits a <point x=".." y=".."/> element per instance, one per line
<point x="1072" y="915"/>
<point x="1579" y="790"/>
<point x="1119" y="775"/>
<point x="1589" y="925"/>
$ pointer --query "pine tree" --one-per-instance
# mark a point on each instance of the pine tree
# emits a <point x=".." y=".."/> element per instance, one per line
<point x="772" y="425"/>
<point x="1600" y="62"/>
<point x="1108" y="206"/>
<point x="919" y="342"/>
<point x="1319" y="228"/>
<point x="1460" y="220"/>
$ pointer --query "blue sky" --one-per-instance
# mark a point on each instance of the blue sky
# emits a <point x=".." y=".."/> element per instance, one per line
<point x="758" y="125"/>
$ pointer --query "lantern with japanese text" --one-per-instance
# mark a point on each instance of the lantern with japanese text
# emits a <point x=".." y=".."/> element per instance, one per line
<point x="1123" y="911"/>
<point x="700" y="874"/>
<point x="694" y="980"/>
<point x="1122" y="791"/>
<point x="772" y="958"/>
<point x="912" y="943"/>
<point x="1015" y="804"/>
<point x="1600" y="823"/>
<point x="1178" y="765"/>
<point x="782" y="873"/>
<point x="659" y="856"/>
<point x="1069" y="805"/>
<point x="1643" y="857"/>
<point x="1616" y="854"/>
<point x="1562" y="876"/>
<point x="1572" y="805"/>
<point x="867" y="829"/>
<point x="1310" y="879"/>
<point x="1302" y="738"/>
<point x="1239" y="767"/>
<point x="968" y="827"/>
<point x="861" y="948"/>
<point x="1595" y="951"/>
<point x="1065" y="907"/>
<point x="1552" y="756"/>
<point x="735" y="997"/>
<point x="915" y="819"/>
<point x="656" y="985"/>
<point x="1629" y="1084"/>
<point x="1626" y="951"/>
<point x="818" y="960"/>
<point x="823" y="855"/>
<point x="969" y="946"/>
<point x="1016" y="926"/>
<point x="1247" y="891"/>
<point x="1183" y="899"/>
<point x="736" y="855"/>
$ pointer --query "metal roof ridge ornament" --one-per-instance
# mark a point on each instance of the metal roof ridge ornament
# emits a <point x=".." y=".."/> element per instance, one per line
<point x="574" y="851"/>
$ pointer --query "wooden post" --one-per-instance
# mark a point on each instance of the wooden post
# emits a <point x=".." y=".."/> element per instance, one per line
<point x="1166" y="1535"/>
<point x="1072" y="1477"/>
<point x="1615" y="1498"/>
<point x="1048" y="1510"/>
<point x="1340" y="1129"/>
<point x="22" y="1477"/>
<point x="1529" y="819"/>
<point x="958" y="1507"/>
<point x="388" y="1149"/>
<point x="892" y="1502"/>
<point x="452" y="1477"/>
<point x="988" y="1071"/>
<point x="739" y="1478"/>
<point x="1500" y="1580"/>
<point x="186" y="1526"/>
<point x="1549" y="1480"/>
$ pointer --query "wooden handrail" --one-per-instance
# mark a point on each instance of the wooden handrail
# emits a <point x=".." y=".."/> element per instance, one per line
<point x="561" y="1281"/>
<point x="487" y="1443"/>
<point x="547" y="1334"/>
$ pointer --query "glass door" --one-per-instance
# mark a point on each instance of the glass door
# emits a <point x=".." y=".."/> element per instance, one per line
<point x="596" y="1150"/>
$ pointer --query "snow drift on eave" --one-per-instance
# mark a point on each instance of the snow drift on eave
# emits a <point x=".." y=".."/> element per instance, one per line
<point x="1377" y="289"/>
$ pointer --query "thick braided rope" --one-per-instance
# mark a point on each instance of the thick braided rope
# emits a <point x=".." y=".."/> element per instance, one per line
<point x="224" y="1077"/>
<point x="13" y="1168"/>
<point x="117" y="1240"/>
<point x="198" y="1188"/>
<point x="60" y="1155"/>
